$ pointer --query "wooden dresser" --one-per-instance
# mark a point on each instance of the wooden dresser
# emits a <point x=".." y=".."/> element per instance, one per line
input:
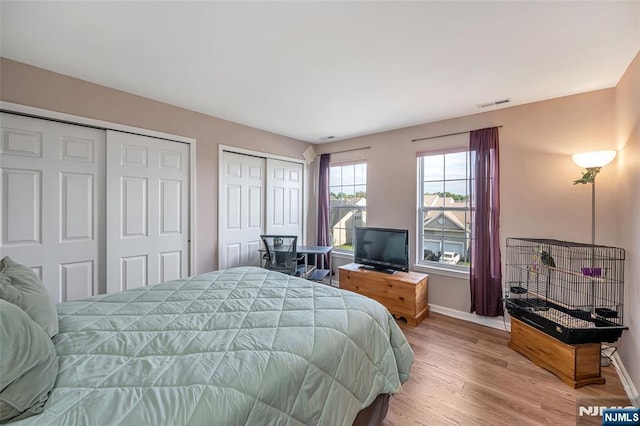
<point x="404" y="294"/>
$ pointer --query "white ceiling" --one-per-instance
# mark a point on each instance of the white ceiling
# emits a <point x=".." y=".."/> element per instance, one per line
<point x="309" y="70"/>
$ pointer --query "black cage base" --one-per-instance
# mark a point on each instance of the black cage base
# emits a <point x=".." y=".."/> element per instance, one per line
<point x="531" y="312"/>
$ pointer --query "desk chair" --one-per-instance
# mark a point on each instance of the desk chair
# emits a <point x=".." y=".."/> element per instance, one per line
<point x="281" y="254"/>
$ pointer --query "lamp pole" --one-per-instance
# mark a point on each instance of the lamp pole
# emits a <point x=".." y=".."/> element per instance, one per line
<point x="593" y="242"/>
<point x="593" y="212"/>
<point x="590" y="177"/>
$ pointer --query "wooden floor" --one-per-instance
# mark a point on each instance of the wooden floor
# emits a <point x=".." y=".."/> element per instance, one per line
<point x="464" y="374"/>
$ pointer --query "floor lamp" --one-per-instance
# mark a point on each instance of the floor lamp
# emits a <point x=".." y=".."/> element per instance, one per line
<point x="593" y="161"/>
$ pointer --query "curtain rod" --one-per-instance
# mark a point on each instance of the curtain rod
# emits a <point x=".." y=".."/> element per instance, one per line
<point x="448" y="134"/>
<point x="349" y="150"/>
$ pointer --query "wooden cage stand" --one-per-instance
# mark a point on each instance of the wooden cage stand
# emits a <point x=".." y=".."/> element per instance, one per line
<point x="576" y="365"/>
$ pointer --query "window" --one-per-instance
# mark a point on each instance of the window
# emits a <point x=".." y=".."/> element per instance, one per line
<point x="444" y="210"/>
<point x="348" y="201"/>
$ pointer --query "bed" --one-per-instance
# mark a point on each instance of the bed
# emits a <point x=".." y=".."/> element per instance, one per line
<point x="243" y="346"/>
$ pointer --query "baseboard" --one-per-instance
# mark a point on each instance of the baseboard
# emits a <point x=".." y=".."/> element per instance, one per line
<point x="493" y="322"/>
<point x="632" y="391"/>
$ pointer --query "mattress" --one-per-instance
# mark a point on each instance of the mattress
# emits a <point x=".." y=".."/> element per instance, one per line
<point x="244" y="346"/>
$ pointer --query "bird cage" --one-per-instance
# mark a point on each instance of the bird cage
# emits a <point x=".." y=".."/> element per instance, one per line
<point x="571" y="291"/>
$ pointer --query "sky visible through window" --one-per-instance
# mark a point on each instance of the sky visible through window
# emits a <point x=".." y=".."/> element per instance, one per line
<point x="348" y="179"/>
<point x="446" y="173"/>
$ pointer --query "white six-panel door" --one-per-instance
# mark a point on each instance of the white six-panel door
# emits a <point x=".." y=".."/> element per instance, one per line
<point x="147" y="197"/>
<point x="257" y="196"/>
<point x="241" y="212"/>
<point x="284" y="198"/>
<point x="52" y="195"/>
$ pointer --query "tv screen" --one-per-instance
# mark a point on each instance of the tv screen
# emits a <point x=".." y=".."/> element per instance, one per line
<point x="382" y="248"/>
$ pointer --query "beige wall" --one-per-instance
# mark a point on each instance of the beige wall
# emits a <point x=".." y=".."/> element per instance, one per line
<point x="27" y="85"/>
<point x="537" y="195"/>
<point x="628" y="207"/>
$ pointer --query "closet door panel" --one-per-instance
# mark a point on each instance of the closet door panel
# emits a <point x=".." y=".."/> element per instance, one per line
<point x="75" y="279"/>
<point x="22" y="211"/>
<point x="147" y="213"/>
<point x="170" y="212"/>
<point x="53" y="202"/>
<point x="170" y="265"/>
<point x="241" y="210"/>
<point x="76" y="202"/>
<point x="284" y="198"/>
<point x="257" y="196"/>
<point x="134" y="198"/>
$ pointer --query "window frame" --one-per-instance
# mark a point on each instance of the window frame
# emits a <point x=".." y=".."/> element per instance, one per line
<point x="363" y="210"/>
<point x="422" y="211"/>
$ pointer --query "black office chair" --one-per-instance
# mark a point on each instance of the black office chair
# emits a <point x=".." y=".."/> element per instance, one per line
<point x="281" y="254"/>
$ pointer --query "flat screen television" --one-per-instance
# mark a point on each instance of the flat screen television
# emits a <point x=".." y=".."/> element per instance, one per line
<point x="382" y="249"/>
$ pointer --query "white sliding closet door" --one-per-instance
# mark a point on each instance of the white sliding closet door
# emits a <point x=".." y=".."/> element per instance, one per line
<point x="284" y="198"/>
<point x="257" y="196"/>
<point x="52" y="195"/>
<point x="241" y="212"/>
<point x="147" y="210"/>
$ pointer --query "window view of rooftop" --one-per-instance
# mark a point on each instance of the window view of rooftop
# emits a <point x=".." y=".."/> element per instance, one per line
<point x="348" y="202"/>
<point x="445" y="210"/>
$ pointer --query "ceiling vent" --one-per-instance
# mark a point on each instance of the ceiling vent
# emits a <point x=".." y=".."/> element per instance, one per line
<point x="494" y="103"/>
<point x="327" y="138"/>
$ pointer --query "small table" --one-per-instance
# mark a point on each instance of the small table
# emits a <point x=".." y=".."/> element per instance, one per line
<point x="317" y="274"/>
<point x="312" y="273"/>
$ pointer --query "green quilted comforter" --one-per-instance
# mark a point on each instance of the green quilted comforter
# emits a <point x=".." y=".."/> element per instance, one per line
<point x="243" y="346"/>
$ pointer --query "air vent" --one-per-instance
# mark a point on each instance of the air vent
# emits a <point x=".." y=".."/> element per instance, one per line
<point x="494" y="103"/>
<point x="327" y="138"/>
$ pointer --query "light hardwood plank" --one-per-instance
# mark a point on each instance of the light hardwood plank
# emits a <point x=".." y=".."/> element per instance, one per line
<point x="465" y="374"/>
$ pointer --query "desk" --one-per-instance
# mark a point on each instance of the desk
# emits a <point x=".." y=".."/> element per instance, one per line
<point x="317" y="274"/>
<point x="311" y="272"/>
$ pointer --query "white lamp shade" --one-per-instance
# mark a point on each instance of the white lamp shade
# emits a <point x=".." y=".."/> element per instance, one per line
<point x="594" y="158"/>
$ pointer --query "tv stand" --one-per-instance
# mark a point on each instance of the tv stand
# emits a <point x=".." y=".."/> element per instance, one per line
<point x="373" y="268"/>
<point x="404" y="294"/>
